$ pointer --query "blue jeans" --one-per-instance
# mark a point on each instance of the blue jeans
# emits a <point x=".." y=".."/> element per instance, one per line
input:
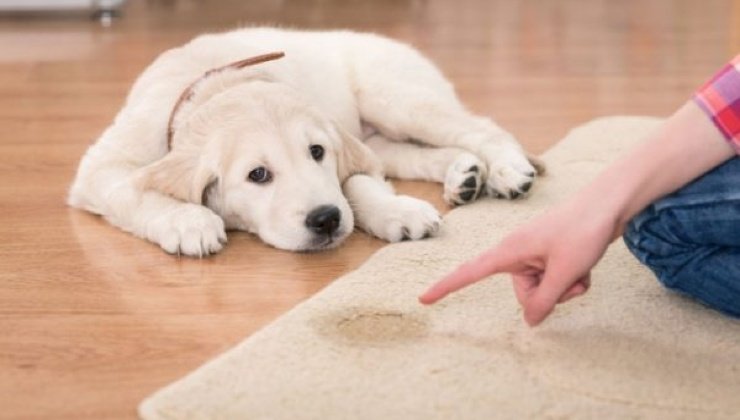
<point x="691" y="239"/>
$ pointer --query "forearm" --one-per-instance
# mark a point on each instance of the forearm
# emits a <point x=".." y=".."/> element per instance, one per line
<point x="686" y="146"/>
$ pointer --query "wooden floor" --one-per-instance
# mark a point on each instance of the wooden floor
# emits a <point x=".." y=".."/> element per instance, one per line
<point x="92" y="319"/>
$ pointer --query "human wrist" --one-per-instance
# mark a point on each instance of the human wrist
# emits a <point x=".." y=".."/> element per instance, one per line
<point x="603" y="203"/>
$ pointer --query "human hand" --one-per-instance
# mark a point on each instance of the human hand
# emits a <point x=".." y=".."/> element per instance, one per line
<point x="550" y="260"/>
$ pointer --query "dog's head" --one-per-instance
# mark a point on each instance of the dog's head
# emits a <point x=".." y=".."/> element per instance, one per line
<point x="267" y="162"/>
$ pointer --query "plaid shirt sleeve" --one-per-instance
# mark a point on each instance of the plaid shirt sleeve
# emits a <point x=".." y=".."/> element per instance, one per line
<point x="720" y="99"/>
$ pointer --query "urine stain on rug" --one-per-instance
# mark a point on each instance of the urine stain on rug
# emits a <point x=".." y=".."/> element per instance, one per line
<point x="372" y="326"/>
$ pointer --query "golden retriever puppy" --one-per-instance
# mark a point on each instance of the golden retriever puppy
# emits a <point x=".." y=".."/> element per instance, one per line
<point x="289" y="135"/>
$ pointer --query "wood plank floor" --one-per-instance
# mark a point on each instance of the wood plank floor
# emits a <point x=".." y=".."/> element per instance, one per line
<point x="92" y="319"/>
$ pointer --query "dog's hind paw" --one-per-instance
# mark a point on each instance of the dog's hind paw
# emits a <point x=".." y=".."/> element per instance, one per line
<point x="510" y="174"/>
<point x="188" y="229"/>
<point x="464" y="179"/>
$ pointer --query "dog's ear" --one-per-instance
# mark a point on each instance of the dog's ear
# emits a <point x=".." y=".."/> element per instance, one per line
<point x="181" y="174"/>
<point x="354" y="157"/>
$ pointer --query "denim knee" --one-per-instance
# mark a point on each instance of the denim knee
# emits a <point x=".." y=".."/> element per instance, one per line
<point x="691" y="238"/>
<point x="655" y="245"/>
<point x="707" y="273"/>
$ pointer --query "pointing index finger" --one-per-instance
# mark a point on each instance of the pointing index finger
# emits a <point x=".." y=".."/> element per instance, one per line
<point x="491" y="262"/>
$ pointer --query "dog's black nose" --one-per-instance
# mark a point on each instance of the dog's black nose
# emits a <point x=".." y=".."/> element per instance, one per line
<point x="323" y="220"/>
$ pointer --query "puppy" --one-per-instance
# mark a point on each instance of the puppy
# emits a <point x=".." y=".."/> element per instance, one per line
<point x="289" y="135"/>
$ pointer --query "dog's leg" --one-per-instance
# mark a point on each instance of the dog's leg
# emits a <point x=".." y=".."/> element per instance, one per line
<point x="402" y="95"/>
<point x="462" y="173"/>
<point x="105" y="185"/>
<point x="380" y="212"/>
<point x="426" y="118"/>
<point x="177" y="227"/>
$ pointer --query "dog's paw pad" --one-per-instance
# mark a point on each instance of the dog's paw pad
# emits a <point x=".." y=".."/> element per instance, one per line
<point x="464" y="180"/>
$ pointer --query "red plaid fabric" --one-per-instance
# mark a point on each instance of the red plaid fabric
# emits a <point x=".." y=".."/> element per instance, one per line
<point x="720" y="99"/>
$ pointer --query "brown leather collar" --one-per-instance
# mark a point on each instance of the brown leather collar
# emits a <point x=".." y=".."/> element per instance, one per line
<point x="187" y="94"/>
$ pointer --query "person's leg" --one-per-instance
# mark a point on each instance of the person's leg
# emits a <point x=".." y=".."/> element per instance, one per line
<point x="691" y="239"/>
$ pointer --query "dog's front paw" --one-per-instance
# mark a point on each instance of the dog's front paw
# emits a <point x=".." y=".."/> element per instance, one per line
<point x="464" y="179"/>
<point x="510" y="174"/>
<point x="188" y="229"/>
<point x="403" y="218"/>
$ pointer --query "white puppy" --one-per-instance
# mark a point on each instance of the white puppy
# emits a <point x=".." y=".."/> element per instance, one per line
<point x="219" y="134"/>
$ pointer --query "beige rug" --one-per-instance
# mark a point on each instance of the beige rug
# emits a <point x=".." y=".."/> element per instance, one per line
<point x="363" y="348"/>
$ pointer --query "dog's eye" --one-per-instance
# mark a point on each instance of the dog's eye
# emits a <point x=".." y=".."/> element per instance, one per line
<point x="260" y="175"/>
<point x="317" y="152"/>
